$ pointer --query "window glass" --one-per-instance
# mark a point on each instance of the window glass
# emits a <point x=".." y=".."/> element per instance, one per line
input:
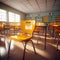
<point x="17" y="18"/>
<point x="14" y="17"/>
<point x="3" y="15"/>
<point x="11" y="17"/>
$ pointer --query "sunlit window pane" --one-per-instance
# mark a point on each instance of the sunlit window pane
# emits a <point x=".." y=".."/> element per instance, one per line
<point x="11" y="17"/>
<point x="14" y="17"/>
<point x="17" y="18"/>
<point x="3" y="15"/>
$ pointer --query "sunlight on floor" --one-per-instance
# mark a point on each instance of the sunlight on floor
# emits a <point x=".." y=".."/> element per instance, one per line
<point x="54" y="45"/>
<point x="29" y="47"/>
<point x="4" y="49"/>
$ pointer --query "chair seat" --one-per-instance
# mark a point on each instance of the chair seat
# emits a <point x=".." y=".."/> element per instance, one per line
<point x="20" y="37"/>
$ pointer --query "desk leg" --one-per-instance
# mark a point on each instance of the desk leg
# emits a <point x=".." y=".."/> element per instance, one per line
<point x="57" y="42"/>
<point x="45" y="37"/>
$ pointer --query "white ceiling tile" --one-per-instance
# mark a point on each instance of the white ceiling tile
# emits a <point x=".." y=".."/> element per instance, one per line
<point x="33" y="6"/>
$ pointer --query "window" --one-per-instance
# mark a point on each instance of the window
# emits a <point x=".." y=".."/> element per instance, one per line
<point x="3" y="15"/>
<point x="17" y="18"/>
<point x="14" y="17"/>
<point x="11" y="17"/>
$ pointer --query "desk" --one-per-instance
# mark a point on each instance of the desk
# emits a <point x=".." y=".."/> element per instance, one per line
<point x="41" y="24"/>
<point x="57" y="30"/>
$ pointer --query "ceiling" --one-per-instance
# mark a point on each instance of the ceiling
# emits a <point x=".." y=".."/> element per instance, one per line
<point x="33" y="6"/>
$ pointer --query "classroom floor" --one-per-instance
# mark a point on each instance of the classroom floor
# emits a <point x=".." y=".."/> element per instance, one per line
<point x="50" y="53"/>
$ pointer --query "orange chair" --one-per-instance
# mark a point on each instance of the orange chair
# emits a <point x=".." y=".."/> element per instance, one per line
<point x="27" y="27"/>
<point x="57" y="30"/>
<point x="14" y="28"/>
<point x="1" y="27"/>
<point x="51" y="28"/>
<point x="55" y="26"/>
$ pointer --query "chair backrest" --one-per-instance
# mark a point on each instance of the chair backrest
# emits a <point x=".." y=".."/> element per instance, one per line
<point x="1" y="25"/>
<point x="27" y="26"/>
<point x="58" y="23"/>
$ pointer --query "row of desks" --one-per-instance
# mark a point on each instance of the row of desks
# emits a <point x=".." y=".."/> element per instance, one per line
<point x="54" y="27"/>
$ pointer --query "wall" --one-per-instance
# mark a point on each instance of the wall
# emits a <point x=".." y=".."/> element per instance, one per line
<point x="39" y="16"/>
<point x="8" y="8"/>
<point x="36" y="16"/>
<point x="54" y="14"/>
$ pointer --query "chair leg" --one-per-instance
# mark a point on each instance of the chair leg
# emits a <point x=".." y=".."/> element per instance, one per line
<point x="9" y="50"/>
<point x="33" y="46"/>
<point x="57" y="42"/>
<point x="23" y="44"/>
<point x="37" y="41"/>
<point x="55" y="36"/>
<point x="45" y="37"/>
<point x="24" y="51"/>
